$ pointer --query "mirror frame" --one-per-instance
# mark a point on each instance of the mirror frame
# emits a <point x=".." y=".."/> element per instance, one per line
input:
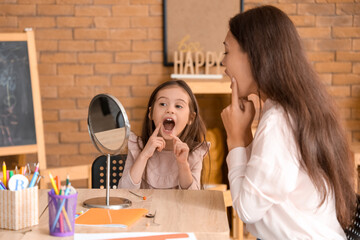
<point x="99" y="146"/>
<point x="108" y="202"/>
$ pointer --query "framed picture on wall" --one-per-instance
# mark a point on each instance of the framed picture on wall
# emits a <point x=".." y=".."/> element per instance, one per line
<point x="196" y="25"/>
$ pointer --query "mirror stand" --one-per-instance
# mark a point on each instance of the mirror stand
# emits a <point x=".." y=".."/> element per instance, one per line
<point x="107" y="202"/>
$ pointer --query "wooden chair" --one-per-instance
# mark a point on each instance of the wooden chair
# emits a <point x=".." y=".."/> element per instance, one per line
<point x="237" y="224"/>
<point x="98" y="171"/>
<point x="353" y="232"/>
<point x="356" y="155"/>
<point x="75" y="172"/>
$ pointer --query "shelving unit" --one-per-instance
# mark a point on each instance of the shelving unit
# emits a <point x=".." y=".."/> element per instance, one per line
<point x="206" y="85"/>
<point x="209" y="86"/>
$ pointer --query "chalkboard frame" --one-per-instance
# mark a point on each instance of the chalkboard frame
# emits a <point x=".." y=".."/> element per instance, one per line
<point x="39" y="147"/>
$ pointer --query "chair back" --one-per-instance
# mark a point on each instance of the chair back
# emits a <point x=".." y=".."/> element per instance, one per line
<point x="98" y="171"/>
<point x="353" y="232"/>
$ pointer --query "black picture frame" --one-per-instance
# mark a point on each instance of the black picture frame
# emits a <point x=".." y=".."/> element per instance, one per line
<point x="166" y="57"/>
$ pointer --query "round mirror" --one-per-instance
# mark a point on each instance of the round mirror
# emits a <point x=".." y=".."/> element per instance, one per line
<point x="108" y="124"/>
<point x="109" y="130"/>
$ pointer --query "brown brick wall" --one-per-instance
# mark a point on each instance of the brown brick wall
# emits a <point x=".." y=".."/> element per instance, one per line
<point x="86" y="47"/>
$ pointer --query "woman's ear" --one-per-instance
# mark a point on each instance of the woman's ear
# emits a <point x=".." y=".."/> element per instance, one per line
<point x="149" y="115"/>
<point x="192" y="118"/>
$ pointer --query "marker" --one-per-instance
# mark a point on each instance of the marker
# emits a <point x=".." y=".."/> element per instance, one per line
<point x="28" y="169"/>
<point x="143" y="197"/>
<point x="7" y="176"/>
<point x="78" y="214"/>
<point x="11" y="173"/>
<point x="2" y="185"/>
<point x="57" y="182"/>
<point x="61" y="219"/>
<point x="4" y="173"/>
<point x="38" y="180"/>
<point x="36" y="174"/>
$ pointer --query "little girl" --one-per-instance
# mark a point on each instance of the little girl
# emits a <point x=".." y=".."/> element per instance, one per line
<point x="171" y="148"/>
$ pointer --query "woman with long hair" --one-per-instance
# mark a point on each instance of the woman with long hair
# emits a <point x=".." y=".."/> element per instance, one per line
<point x="294" y="178"/>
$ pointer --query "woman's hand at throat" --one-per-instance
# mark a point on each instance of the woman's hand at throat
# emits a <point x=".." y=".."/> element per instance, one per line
<point x="237" y="119"/>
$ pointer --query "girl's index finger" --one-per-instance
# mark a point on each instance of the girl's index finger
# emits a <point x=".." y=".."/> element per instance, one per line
<point x="157" y="129"/>
<point x="175" y="137"/>
<point x="234" y="93"/>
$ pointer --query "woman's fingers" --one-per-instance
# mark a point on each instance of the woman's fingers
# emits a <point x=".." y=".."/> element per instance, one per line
<point x="237" y="118"/>
<point x="236" y="101"/>
<point x="234" y="93"/>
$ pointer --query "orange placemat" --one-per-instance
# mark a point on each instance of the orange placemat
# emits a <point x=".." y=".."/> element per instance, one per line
<point x="109" y="217"/>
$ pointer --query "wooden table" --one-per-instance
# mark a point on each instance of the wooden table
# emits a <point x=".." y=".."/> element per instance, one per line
<point x="202" y="212"/>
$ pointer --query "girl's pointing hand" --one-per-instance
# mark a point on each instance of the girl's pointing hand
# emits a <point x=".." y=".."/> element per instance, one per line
<point x="181" y="150"/>
<point x="154" y="143"/>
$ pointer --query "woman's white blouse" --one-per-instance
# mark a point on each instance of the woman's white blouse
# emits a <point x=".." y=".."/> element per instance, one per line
<point x="271" y="193"/>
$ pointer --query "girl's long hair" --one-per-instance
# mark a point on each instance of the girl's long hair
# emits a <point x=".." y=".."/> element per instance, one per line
<point x="283" y="74"/>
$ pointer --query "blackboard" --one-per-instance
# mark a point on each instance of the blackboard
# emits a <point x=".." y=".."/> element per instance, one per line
<point x="17" y="124"/>
<point x="21" y="125"/>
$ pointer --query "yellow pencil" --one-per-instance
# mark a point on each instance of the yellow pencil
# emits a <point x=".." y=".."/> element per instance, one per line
<point x="4" y="174"/>
<point x="53" y="184"/>
<point x="57" y="193"/>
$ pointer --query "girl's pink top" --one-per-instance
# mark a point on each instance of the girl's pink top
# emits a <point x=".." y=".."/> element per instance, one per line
<point x="161" y="171"/>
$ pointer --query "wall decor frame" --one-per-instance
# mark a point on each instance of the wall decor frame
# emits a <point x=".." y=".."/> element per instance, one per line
<point x="196" y="25"/>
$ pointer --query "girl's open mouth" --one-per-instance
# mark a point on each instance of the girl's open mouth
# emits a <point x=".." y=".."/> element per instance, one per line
<point x="169" y="125"/>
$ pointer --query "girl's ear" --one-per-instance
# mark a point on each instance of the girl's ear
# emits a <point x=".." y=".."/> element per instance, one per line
<point x="149" y="115"/>
<point x="192" y="118"/>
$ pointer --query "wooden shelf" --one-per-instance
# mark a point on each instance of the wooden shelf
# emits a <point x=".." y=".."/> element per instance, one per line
<point x="209" y="86"/>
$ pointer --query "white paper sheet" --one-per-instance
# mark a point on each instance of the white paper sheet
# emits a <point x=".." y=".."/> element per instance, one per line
<point x="134" y="235"/>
